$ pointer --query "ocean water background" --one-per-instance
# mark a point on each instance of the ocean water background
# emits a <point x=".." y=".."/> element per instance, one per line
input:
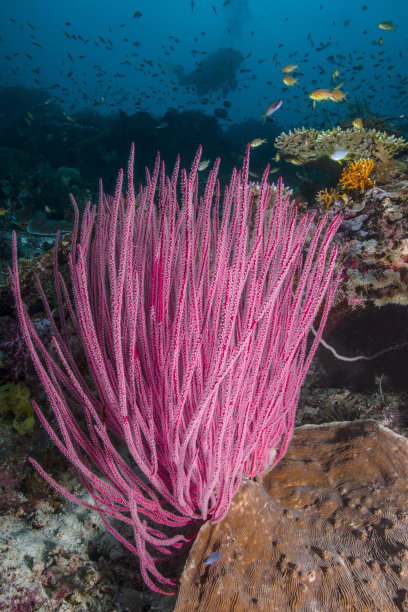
<point x="320" y="36"/>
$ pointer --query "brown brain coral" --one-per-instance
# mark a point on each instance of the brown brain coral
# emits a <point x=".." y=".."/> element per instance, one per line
<point x="326" y="531"/>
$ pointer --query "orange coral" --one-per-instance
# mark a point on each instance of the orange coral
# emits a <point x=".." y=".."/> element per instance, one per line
<point x="328" y="196"/>
<point x="331" y="196"/>
<point x="356" y="175"/>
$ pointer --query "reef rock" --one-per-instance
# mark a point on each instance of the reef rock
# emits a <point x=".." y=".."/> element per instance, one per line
<point x="326" y="530"/>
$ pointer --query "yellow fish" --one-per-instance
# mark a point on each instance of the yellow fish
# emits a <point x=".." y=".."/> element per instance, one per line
<point x="387" y="26"/>
<point x="288" y="80"/>
<point x="296" y="161"/>
<point x="320" y="94"/>
<point x="257" y="142"/>
<point x="336" y="95"/>
<point x="335" y="74"/>
<point x="357" y="123"/>
<point x="289" y="68"/>
<point x="203" y="165"/>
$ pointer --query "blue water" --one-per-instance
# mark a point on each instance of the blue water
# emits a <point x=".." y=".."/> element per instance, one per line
<point x="139" y="51"/>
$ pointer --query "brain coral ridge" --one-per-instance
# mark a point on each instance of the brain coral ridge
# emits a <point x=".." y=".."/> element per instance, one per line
<point x="311" y="144"/>
<point x="326" y="530"/>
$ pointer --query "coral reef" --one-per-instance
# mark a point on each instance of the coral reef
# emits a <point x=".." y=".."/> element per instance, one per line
<point x="373" y="247"/>
<point x="309" y="145"/>
<point x="356" y="175"/>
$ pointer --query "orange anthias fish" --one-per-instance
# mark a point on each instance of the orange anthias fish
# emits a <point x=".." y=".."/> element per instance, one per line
<point x="320" y="94"/>
<point x="337" y="96"/>
<point x="288" y="80"/>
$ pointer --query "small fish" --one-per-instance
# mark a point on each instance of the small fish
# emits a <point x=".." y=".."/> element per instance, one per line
<point x="3" y="211"/>
<point x="289" y="68"/>
<point x="203" y="165"/>
<point x="320" y="94"/>
<point x="339" y="154"/>
<point x="296" y="161"/>
<point x="161" y="125"/>
<point x="272" y="107"/>
<point x="336" y="95"/>
<point x="273" y="170"/>
<point x="290" y="81"/>
<point x="215" y="556"/>
<point x="387" y="26"/>
<point x="357" y="123"/>
<point x="137" y="14"/>
<point x="380" y="41"/>
<point x="68" y="117"/>
<point x="277" y="157"/>
<point x="257" y="142"/>
<point x="335" y="74"/>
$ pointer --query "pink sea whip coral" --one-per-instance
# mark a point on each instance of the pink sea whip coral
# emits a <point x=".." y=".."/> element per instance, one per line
<point x="195" y="323"/>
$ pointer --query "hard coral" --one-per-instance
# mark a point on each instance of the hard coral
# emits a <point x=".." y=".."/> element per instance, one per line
<point x="356" y="175"/>
<point x="327" y="529"/>
<point x="309" y="144"/>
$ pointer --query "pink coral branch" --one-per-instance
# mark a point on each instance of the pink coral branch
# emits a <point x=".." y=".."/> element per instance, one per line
<point x="194" y="321"/>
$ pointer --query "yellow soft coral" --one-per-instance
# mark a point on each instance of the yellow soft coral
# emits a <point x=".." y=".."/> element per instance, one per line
<point x="331" y="196"/>
<point x="328" y="196"/>
<point x="356" y="175"/>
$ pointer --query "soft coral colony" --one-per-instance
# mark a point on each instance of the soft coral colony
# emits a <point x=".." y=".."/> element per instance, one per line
<point x="194" y="320"/>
